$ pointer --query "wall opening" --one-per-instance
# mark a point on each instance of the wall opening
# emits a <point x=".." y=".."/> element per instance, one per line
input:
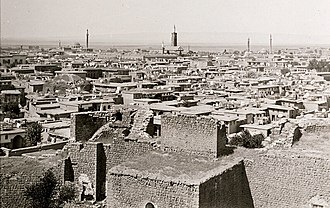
<point x="149" y="205"/>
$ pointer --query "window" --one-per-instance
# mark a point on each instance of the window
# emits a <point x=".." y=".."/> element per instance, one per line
<point x="149" y="205"/>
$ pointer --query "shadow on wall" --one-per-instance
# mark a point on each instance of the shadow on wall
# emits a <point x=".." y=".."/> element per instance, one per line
<point x="230" y="189"/>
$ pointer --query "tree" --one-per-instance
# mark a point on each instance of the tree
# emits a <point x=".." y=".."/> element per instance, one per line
<point x="48" y="193"/>
<point x="33" y="134"/>
<point x="11" y="109"/>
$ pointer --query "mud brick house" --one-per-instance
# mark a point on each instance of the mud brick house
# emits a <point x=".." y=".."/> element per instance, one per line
<point x="161" y="179"/>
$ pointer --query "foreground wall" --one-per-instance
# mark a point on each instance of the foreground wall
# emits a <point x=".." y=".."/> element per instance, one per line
<point x="88" y="163"/>
<point x="283" y="179"/>
<point x="228" y="190"/>
<point x="128" y="191"/>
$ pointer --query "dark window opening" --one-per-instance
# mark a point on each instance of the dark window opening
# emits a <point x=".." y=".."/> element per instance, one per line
<point x="149" y="205"/>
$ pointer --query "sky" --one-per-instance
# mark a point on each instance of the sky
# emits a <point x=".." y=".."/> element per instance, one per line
<point x="151" y="21"/>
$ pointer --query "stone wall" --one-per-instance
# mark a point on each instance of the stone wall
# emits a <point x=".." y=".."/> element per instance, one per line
<point x="12" y="189"/>
<point x="125" y="191"/>
<point x="84" y="163"/>
<point x="16" y="174"/>
<point x="230" y="189"/>
<point x="84" y="125"/>
<point x="88" y="163"/>
<point x="283" y="179"/>
<point x="192" y="133"/>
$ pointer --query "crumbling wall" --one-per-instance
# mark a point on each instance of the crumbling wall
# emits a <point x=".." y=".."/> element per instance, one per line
<point x="192" y="133"/>
<point x="284" y="179"/>
<point x="121" y="150"/>
<point x="142" y="128"/>
<point x="86" y="163"/>
<point x="125" y="191"/>
<point x="284" y="134"/>
<point x="84" y="125"/>
<point x="227" y="190"/>
<point x="16" y="174"/>
<point x="12" y="188"/>
<point x="313" y="125"/>
<point x="91" y="161"/>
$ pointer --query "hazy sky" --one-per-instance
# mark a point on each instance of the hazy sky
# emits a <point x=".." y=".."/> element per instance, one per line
<point x="152" y="20"/>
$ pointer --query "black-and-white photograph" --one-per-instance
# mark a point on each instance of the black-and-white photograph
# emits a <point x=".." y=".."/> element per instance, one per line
<point x="165" y="104"/>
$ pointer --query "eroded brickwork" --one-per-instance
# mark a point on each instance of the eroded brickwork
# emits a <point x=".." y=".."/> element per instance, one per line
<point x="287" y="179"/>
<point x="128" y="191"/>
<point x="228" y="190"/>
<point x="192" y="133"/>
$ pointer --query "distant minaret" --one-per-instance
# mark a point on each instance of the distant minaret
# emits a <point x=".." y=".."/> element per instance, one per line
<point x="163" y="47"/>
<point x="248" y="44"/>
<point x="174" y="41"/>
<point x="87" y="39"/>
<point x="59" y="44"/>
<point x="271" y="44"/>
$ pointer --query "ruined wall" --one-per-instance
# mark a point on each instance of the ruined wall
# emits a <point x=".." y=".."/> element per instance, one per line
<point x="16" y="174"/>
<point x="192" y="133"/>
<point x="84" y="160"/>
<point x="12" y="189"/>
<point x="122" y="150"/>
<point x="126" y="191"/>
<point x="228" y="190"/>
<point x="287" y="180"/>
<point x="84" y="125"/>
<point x="89" y="162"/>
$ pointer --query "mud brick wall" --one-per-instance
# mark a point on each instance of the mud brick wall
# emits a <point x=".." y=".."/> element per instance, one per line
<point x="286" y="180"/>
<point x="121" y="150"/>
<point x="94" y="159"/>
<point x="12" y="189"/>
<point x="227" y="190"/>
<point x="192" y="133"/>
<point x="128" y="191"/>
<point x="84" y="160"/>
<point x="84" y="125"/>
<point x="13" y="185"/>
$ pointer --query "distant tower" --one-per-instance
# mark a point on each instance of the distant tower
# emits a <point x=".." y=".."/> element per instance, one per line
<point x="59" y="44"/>
<point x="163" y="47"/>
<point x="87" y="39"/>
<point x="174" y="41"/>
<point x="271" y="43"/>
<point x="248" y="44"/>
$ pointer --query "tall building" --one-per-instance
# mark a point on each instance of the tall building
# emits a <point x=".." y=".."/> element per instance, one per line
<point x="174" y="40"/>
<point x="270" y="44"/>
<point x="87" y="39"/>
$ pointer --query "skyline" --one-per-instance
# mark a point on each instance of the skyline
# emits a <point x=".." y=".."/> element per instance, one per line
<point x="144" y="22"/>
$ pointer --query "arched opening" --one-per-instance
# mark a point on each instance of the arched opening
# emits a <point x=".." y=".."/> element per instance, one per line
<point x="17" y="142"/>
<point x="149" y="205"/>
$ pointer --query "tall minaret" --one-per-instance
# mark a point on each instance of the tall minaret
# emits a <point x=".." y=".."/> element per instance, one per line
<point x="248" y="44"/>
<point x="270" y="44"/>
<point x="59" y="44"/>
<point x="87" y="39"/>
<point x="174" y="40"/>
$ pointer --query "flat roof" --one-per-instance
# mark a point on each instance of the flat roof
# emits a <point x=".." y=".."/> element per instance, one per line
<point x="175" y="167"/>
<point x="12" y="92"/>
<point x="256" y="126"/>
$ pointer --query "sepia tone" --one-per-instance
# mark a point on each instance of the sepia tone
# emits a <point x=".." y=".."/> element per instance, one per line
<point x="102" y="122"/>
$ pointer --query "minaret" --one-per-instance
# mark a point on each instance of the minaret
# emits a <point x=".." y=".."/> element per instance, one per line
<point x="248" y="44"/>
<point x="270" y="44"/>
<point x="59" y="44"/>
<point x="87" y="39"/>
<point x="174" y="41"/>
<point x="163" y="47"/>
